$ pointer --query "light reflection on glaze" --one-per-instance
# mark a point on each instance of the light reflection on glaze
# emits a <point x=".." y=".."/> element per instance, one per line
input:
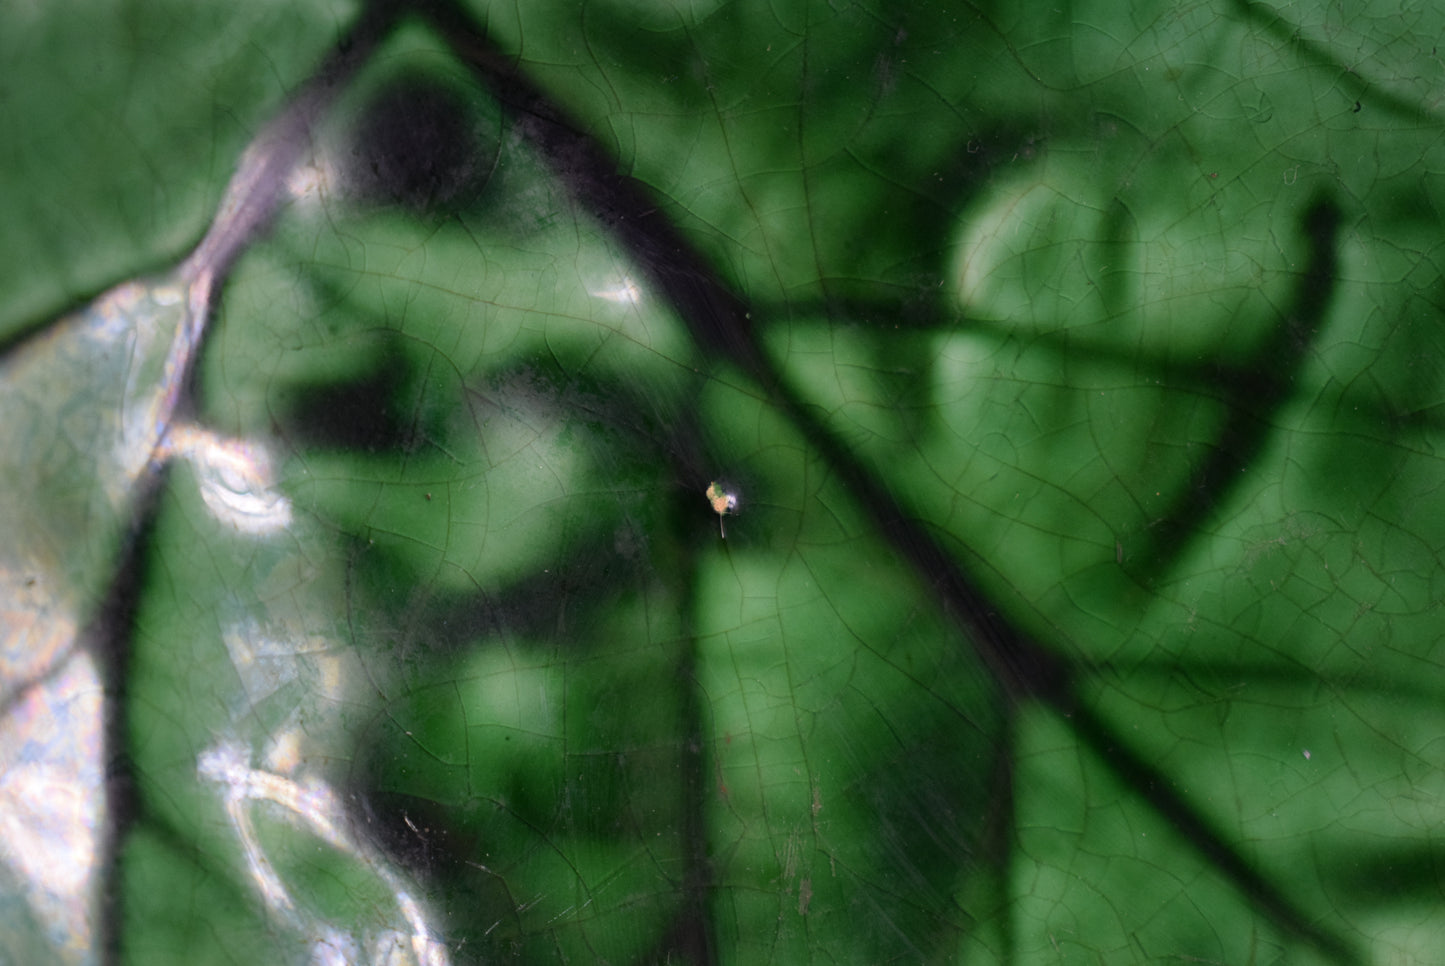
<point x="625" y="291"/>
<point x="312" y="806"/>
<point x="310" y="184"/>
<point x="235" y="479"/>
<point x="50" y="814"/>
<point x="624" y="305"/>
<point x="267" y="662"/>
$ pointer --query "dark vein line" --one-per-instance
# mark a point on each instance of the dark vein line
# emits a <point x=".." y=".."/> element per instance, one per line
<point x="720" y="322"/>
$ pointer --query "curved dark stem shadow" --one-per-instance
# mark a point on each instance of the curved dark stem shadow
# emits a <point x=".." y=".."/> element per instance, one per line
<point x="1253" y="400"/>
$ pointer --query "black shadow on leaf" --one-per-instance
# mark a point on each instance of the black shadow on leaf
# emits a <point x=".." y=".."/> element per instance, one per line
<point x="1391" y="877"/>
<point x="423" y="145"/>
<point x="362" y="413"/>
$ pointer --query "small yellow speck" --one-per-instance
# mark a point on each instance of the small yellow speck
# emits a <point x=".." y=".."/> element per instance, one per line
<point x="723" y="502"/>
